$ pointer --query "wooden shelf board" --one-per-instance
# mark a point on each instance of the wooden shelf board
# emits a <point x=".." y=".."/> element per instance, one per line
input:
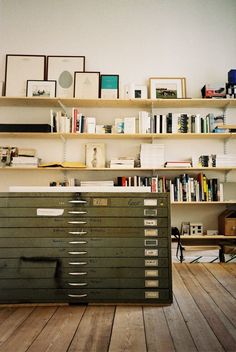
<point x="123" y="170"/>
<point x="206" y="237"/>
<point x="149" y="136"/>
<point x="135" y="103"/>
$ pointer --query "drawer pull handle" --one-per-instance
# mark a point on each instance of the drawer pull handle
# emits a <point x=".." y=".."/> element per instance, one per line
<point x="77" y="232"/>
<point x="77" y="242"/>
<point x="77" y="222"/>
<point x="77" y="283"/>
<point x="77" y="201"/>
<point x="77" y="212"/>
<point x="78" y="296"/>
<point x="78" y="273"/>
<point x="78" y="263"/>
<point x="77" y="253"/>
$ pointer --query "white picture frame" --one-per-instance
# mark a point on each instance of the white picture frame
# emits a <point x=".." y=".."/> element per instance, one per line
<point x="136" y="91"/>
<point x="86" y="85"/>
<point x="167" y="87"/>
<point x="95" y="155"/>
<point x="41" y="88"/>
<point x="19" y="69"/>
<point x="62" y="69"/>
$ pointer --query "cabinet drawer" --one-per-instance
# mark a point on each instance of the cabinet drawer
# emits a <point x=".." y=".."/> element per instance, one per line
<point x="83" y="212"/>
<point x="85" y="295"/>
<point x="67" y="200"/>
<point x="85" y="222"/>
<point x="122" y="232"/>
<point x="82" y="253"/>
<point x="36" y="283"/>
<point x="72" y="243"/>
<point x="30" y="262"/>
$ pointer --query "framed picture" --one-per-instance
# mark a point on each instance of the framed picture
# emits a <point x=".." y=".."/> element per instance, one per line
<point x="167" y="87"/>
<point x="62" y="69"/>
<point x="95" y="155"/>
<point x="19" y="69"/>
<point x="109" y="86"/>
<point x="135" y="91"/>
<point x="86" y="85"/>
<point x="40" y="88"/>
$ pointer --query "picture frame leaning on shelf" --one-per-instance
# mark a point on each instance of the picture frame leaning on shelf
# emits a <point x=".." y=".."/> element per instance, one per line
<point x="167" y="87"/>
<point x="62" y="69"/>
<point x="19" y="69"/>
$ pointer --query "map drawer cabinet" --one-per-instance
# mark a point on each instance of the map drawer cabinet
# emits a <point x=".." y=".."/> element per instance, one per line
<point x="85" y="248"/>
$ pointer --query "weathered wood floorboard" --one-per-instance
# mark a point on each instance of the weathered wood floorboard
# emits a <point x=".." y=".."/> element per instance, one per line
<point x="202" y="318"/>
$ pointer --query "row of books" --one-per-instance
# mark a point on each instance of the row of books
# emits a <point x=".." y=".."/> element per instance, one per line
<point x="217" y="160"/>
<point x="144" y="124"/>
<point x="183" y="188"/>
<point x="181" y="123"/>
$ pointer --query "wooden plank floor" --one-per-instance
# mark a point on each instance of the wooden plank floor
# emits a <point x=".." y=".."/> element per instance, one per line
<point x="201" y="318"/>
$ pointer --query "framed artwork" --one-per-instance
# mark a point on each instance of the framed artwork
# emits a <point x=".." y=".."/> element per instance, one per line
<point x="19" y="69"/>
<point x="95" y="155"/>
<point x="167" y="87"/>
<point x="109" y="86"/>
<point x="40" y="88"/>
<point x="86" y="85"/>
<point x="62" y="69"/>
<point x="135" y="91"/>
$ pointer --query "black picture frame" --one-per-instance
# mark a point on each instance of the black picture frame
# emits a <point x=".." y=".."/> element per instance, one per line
<point x="22" y="67"/>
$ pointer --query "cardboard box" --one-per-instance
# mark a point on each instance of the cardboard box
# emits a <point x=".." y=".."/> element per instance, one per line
<point x="227" y="223"/>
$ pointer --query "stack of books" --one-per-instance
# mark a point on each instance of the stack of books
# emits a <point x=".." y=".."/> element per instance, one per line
<point x="152" y="155"/>
<point x="122" y="163"/>
<point x="225" y="160"/>
<point x="96" y="183"/>
<point x="25" y="161"/>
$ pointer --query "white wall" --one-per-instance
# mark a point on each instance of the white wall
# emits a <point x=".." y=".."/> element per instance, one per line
<point x="137" y="39"/>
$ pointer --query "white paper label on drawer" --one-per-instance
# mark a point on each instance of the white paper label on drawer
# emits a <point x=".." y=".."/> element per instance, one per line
<point x="151" y="243"/>
<point x="151" y="273"/>
<point x="150" y="202"/>
<point x="151" y="294"/>
<point x="151" y="283"/>
<point x="151" y="252"/>
<point x="151" y="232"/>
<point x="49" y="212"/>
<point x="151" y="262"/>
<point x="150" y="222"/>
<point x="150" y="212"/>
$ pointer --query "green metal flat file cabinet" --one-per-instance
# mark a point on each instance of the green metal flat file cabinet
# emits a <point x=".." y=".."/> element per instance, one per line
<point x="85" y="248"/>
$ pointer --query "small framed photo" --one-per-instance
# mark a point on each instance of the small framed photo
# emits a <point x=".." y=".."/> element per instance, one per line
<point x="167" y="87"/>
<point x="19" y="69"/>
<point x="86" y="85"/>
<point x="185" y="228"/>
<point x="95" y="155"/>
<point x="135" y="91"/>
<point x="40" y="88"/>
<point x="139" y="92"/>
<point x="109" y="86"/>
<point x="62" y="69"/>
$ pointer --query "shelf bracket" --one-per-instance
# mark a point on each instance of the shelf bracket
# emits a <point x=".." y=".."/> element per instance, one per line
<point x="226" y="175"/>
<point x="64" y="108"/>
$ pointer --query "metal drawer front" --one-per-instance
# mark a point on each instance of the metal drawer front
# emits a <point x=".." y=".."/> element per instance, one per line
<point x="71" y="242"/>
<point x="35" y="232"/>
<point x="85" y="222"/>
<point x="83" y="212"/>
